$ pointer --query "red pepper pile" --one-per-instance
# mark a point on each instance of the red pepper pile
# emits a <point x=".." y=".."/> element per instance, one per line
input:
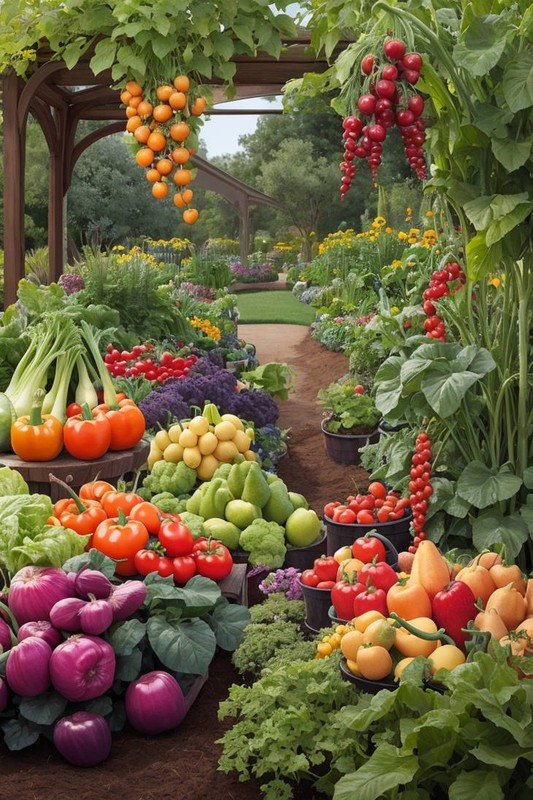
<point x="438" y="287"/>
<point x="378" y="505"/>
<point x="139" y="362"/>
<point x="388" y="99"/>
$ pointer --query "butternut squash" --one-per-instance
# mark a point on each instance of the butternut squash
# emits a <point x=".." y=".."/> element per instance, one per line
<point x="430" y="568"/>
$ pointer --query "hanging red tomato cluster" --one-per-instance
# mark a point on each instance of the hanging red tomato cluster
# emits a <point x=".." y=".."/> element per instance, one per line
<point x="163" y="129"/>
<point x="439" y="287"/>
<point x="388" y="99"/>
<point x="420" y="486"/>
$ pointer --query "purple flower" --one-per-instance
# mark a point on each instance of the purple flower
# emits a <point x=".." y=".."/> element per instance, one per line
<point x="283" y="580"/>
<point x="71" y="283"/>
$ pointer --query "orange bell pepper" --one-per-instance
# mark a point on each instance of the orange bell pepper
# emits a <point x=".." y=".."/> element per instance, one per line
<point x="37" y="436"/>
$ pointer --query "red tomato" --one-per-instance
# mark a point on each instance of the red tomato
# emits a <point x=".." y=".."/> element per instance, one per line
<point x="378" y="489"/>
<point x="176" y="538"/>
<point x="165" y="567"/>
<point x="309" y="578"/>
<point x="148" y="514"/>
<point x="213" y="559"/>
<point x="121" y="539"/>
<point x="184" y="568"/>
<point x="329" y="508"/>
<point x="365" y="517"/>
<point x="325" y="584"/>
<point x="146" y="561"/>
<point x="347" y="517"/>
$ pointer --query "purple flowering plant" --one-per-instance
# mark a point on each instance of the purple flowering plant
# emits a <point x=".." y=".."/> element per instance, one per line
<point x="283" y="580"/>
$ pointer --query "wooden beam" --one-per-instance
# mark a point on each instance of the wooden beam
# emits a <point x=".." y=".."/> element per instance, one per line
<point x="14" y="145"/>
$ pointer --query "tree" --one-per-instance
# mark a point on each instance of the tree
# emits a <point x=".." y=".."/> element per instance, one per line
<point x="302" y="183"/>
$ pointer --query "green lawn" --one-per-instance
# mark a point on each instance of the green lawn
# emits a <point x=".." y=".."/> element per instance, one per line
<point x="276" y="306"/>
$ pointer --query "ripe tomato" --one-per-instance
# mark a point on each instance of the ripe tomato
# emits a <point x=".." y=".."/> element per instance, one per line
<point x="347" y="517"/>
<point x="309" y="577"/>
<point x="359" y="389"/>
<point x="146" y="561"/>
<point x="213" y="559"/>
<point x="176" y="538"/>
<point x="121" y="539"/>
<point x="148" y="514"/>
<point x="365" y="517"/>
<point x="378" y="489"/>
<point x="184" y="568"/>
<point x="165" y="567"/>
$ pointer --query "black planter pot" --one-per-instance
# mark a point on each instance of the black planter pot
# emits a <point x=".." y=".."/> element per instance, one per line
<point x="344" y="448"/>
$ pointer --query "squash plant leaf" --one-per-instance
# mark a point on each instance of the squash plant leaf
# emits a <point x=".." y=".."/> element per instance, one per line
<point x="483" y="487"/>
<point x="182" y="646"/>
<point x="491" y="528"/>
<point x="476" y="784"/>
<point x="386" y="768"/>
<point x="228" y="621"/>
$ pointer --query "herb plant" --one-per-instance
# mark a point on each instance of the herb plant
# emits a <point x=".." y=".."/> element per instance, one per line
<point x="346" y="411"/>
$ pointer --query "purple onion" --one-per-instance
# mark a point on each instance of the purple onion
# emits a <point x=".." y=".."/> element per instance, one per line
<point x="41" y="628"/>
<point x="155" y="703"/>
<point x="34" y="590"/>
<point x="96" y="616"/>
<point x="83" y="738"/>
<point x="5" y="636"/>
<point x="91" y="581"/>
<point x="28" y="667"/>
<point x="65" y="614"/>
<point x="4" y="695"/>
<point x="82" y="667"/>
<point x="127" y="598"/>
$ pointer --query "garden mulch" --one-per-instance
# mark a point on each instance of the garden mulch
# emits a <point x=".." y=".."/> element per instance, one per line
<point x="182" y="764"/>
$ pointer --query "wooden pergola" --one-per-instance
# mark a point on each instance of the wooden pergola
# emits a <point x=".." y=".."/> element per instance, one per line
<point x="59" y="98"/>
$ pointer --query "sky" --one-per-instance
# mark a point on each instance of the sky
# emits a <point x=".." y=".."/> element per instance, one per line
<point x="220" y="133"/>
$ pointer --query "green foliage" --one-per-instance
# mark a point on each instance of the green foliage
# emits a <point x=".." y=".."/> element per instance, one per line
<point x="302" y="720"/>
<point x="267" y="641"/>
<point x="208" y="270"/>
<point x="275" y="607"/>
<point x="347" y="412"/>
<point x="150" y="42"/>
<point x="275" y="378"/>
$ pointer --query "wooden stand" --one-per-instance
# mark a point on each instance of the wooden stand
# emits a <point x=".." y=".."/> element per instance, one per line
<point x="234" y="586"/>
<point x="75" y="472"/>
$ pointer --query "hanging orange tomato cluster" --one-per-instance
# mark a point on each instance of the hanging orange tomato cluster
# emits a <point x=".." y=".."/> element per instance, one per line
<point x="162" y="130"/>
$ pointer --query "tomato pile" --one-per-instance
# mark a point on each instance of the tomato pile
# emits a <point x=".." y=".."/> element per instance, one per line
<point x="388" y="99"/>
<point x="139" y="536"/>
<point x="420" y="486"/>
<point x="439" y="287"/>
<point x="377" y="505"/>
<point x="138" y="362"/>
<point x="165" y="133"/>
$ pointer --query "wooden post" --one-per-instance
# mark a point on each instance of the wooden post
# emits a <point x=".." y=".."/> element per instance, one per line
<point x="56" y="193"/>
<point x="14" y="147"/>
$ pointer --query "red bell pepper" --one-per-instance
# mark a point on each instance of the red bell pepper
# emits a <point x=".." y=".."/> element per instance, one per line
<point x="343" y="594"/>
<point x="378" y="574"/>
<point x="370" y="599"/>
<point x="326" y="568"/>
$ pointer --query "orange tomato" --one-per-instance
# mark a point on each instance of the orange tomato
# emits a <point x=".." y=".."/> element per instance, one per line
<point x="178" y="200"/>
<point x="350" y="644"/>
<point x="179" y="131"/>
<point x="133" y="123"/>
<point x="180" y="155"/>
<point x="131" y="112"/>
<point x="177" y="100"/>
<point x="157" y="141"/>
<point x="182" y="83"/>
<point x="144" y="109"/>
<point x="153" y="175"/>
<point x="144" y="157"/>
<point x="148" y="514"/>
<point x="163" y="92"/>
<point x="446" y="657"/>
<point x="190" y="215"/>
<point x="164" y="166"/>
<point x="480" y="581"/>
<point x="142" y="133"/>
<point x="162" y="112"/>
<point x="199" y="106"/>
<point x="160" y="189"/>
<point x="182" y="176"/>
<point x="134" y="88"/>
<point x="374" y="661"/>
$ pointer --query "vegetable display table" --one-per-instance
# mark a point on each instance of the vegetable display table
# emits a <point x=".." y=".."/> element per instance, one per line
<point x="109" y="467"/>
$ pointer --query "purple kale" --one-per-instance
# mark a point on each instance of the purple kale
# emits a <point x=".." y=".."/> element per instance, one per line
<point x="71" y="283"/>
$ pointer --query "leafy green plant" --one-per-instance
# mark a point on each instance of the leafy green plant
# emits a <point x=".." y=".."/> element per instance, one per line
<point x="275" y="378"/>
<point x="347" y="411"/>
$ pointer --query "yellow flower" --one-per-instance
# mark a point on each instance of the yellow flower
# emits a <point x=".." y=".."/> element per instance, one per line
<point x="402" y="236"/>
<point x="396" y="263"/>
<point x="429" y="214"/>
<point x="494" y="281"/>
<point x="388" y="230"/>
<point x="394" y="310"/>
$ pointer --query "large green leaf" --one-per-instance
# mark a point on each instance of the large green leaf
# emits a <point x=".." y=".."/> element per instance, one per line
<point x="228" y="621"/>
<point x="484" y="487"/>
<point x="481" y="259"/>
<point x="182" y="646"/>
<point x="476" y="784"/>
<point x="499" y="228"/>
<point x="104" y="55"/>
<point x="384" y="771"/>
<point x="517" y="83"/>
<point x="512" y="155"/>
<point x="482" y="46"/>
<point x="491" y="120"/>
<point x="44" y="709"/>
<point x="492" y="528"/>
<point x="19" y="734"/>
<point x="446" y="391"/>
<point x="125" y="636"/>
